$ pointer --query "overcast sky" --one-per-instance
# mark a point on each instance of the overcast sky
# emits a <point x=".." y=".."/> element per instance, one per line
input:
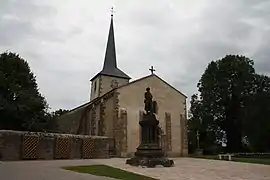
<point x="64" y="40"/>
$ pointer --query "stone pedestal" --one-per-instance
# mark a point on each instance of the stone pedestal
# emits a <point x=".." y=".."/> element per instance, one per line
<point x="198" y="152"/>
<point x="149" y="153"/>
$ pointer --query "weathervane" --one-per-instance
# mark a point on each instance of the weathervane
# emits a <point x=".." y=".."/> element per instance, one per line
<point x="152" y="70"/>
<point x="112" y="11"/>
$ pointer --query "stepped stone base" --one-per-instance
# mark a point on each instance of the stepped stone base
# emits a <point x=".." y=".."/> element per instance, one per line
<point x="150" y="162"/>
<point x="149" y="155"/>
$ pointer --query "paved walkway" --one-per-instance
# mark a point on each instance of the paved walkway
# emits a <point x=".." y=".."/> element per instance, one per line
<point x="185" y="169"/>
<point x="200" y="169"/>
<point x="45" y="170"/>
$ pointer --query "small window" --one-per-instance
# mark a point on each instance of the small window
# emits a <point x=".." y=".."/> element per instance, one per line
<point x="95" y="85"/>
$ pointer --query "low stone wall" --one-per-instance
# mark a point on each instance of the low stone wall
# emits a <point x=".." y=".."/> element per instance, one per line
<point x="19" y="145"/>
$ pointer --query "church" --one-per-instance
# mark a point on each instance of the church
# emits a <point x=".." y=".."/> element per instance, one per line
<point x="117" y="104"/>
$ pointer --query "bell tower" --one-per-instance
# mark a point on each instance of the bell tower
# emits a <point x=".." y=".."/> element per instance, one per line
<point x="110" y="76"/>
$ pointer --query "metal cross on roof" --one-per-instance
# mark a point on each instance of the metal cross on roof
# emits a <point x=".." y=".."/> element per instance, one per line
<point x="152" y="70"/>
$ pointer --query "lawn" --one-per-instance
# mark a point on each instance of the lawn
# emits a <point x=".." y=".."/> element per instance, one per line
<point x="107" y="171"/>
<point x="237" y="159"/>
<point x="253" y="160"/>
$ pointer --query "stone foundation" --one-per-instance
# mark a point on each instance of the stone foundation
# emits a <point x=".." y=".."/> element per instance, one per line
<point x="16" y="145"/>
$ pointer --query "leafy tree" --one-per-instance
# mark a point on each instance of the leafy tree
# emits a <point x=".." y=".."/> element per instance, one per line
<point x="59" y="112"/>
<point x="234" y="103"/>
<point x="51" y="125"/>
<point x="193" y="123"/>
<point x="257" y="126"/>
<point x="225" y="88"/>
<point x="22" y="107"/>
<point x="202" y="125"/>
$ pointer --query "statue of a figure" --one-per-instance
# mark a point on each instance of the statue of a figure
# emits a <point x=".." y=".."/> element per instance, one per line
<point x="148" y="101"/>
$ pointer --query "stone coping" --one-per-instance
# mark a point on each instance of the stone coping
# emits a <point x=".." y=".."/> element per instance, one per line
<point x="50" y="134"/>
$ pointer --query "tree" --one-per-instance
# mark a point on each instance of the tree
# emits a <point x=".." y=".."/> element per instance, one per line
<point x="201" y="124"/>
<point x="225" y="88"/>
<point x="257" y="126"/>
<point x="193" y="123"/>
<point x="51" y="125"/>
<point x="59" y="113"/>
<point x="22" y="107"/>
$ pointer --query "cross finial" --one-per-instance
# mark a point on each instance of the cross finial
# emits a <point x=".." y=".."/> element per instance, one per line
<point x="112" y="11"/>
<point x="152" y="70"/>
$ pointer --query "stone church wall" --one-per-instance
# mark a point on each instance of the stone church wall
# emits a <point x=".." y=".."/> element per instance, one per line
<point x="169" y="101"/>
<point x="69" y="123"/>
<point x="109" y="115"/>
<point x="95" y="88"/>
<point x="106" y="81"/>
<point x="102" y="115"/>
<point x="19" y="145"/>
<point x="97" y="118"/>
<point x="120" y="133"/>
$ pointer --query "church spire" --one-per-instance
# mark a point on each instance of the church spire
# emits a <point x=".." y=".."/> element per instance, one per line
<point x="110" y="55"/>
<point x="110" y="64"/>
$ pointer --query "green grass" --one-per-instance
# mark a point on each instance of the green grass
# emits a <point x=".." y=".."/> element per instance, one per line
<point x="265" y="161"/>
<point x="253" y="160"/>
<point x="107" y="171"/>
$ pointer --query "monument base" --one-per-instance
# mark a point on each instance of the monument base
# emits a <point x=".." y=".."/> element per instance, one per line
<point x="150" y="162"/>
<point x="149" y="155"/>
<point x="198" y="152"/>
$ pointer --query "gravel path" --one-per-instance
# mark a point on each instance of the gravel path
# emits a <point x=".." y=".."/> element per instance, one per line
<point x="185" y="169"/>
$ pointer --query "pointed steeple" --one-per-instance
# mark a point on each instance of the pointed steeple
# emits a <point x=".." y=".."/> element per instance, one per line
<point x="110" y="64"/>
<point x="110" y="55"/>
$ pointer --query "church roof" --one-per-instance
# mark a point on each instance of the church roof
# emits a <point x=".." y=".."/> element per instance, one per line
<point x="140" y="79"/>
<point x="145" y="77"/>
<point x="110" y="64"/>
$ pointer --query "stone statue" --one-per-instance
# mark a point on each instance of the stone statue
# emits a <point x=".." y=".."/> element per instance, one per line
<point x="149" y="153"/>
<point x="148" y="101"/>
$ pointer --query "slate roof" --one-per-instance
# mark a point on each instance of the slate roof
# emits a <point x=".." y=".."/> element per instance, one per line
<point x="110" y="64"/>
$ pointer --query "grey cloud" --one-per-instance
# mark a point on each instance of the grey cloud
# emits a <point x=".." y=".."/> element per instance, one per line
<point x="14" y="31"/>
<point x="178" y="38"/>
<point x="25" y="9"/>
<point x="19" y="20"/>
<point x="221" y="29"/>
<point x="262" y="57"/>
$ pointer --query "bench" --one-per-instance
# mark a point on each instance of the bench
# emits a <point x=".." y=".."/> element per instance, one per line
<point x="225" y="155"/>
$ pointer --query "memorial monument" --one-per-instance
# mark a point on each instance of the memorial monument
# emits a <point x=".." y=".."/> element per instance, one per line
<point x="149" y="153"/>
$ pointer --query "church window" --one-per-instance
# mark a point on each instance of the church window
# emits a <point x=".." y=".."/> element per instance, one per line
<point x="95" y="86"/>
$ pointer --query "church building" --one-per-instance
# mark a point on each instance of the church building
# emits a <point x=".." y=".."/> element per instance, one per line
<point x="116" y="106"/>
